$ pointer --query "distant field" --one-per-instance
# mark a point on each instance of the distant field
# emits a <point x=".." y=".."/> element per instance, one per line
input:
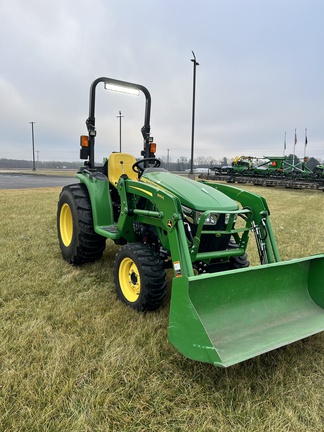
<point x="74" y="358"/>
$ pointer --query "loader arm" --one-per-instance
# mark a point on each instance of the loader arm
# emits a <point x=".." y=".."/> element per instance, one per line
<point x="165" y="214"/>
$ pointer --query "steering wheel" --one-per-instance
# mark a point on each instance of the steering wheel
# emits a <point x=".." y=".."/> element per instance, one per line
<point x="139" y="169"/>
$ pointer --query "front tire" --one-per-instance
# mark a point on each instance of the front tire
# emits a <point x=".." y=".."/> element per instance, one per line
<point x="238" y="262"/>
<point x="139" y="277"/>
<point x="79" y="242"/>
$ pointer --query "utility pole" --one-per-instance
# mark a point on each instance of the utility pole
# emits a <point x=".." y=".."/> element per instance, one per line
<point x="33" y="144"/>
<point x="168" y="158"/>
<point x="195" y="64"/>
<point x="120" y="117"/>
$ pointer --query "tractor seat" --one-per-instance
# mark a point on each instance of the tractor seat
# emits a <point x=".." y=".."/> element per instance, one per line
<point x="118" y="164"/>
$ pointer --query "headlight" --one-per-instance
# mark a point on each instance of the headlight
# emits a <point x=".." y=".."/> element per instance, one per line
<point x="194" y="217"/>
<point x="211" y="219"/>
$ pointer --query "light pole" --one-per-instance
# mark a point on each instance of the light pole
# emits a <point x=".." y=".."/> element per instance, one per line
<point x="120" y="117"/>
<point x="33" y="144"/>
<point x="195" y="64"/>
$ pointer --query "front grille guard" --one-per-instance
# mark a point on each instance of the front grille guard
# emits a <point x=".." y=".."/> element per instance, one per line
<point x="240" y="235"/>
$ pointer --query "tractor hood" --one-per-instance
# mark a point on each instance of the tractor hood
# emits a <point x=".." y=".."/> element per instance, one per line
<point x="192" y="194"/>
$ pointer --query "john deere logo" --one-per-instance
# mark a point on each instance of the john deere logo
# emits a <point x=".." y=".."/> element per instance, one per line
<point x="169" y="223"/>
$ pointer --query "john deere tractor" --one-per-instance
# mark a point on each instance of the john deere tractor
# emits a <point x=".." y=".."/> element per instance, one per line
<point x="222" y="311"/>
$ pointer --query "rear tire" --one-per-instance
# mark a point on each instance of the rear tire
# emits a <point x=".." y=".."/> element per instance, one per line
<point x="139" y="277"/>
<point x="79" y="242"/>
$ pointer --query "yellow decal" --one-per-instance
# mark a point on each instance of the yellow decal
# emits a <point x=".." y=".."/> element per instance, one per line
<point x="142" y="190"/>
<point x="157" y="185"/>
<point x="169" y="223"/>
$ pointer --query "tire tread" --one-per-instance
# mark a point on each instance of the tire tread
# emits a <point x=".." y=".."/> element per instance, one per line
<point x="89" y="245"/>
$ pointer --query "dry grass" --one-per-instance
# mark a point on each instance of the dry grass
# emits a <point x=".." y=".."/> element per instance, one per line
<point x="73" y="358"/>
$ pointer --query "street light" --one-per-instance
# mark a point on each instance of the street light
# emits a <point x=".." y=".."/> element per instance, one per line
<point x="33" y="144"/>
<point x="120" y="117"/>
<point x="195" y="64"/>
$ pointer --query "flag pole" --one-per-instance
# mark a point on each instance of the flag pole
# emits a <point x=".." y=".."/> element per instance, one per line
<point x="305" y="143"/>
<point x="295" y="142"/>
<point x="285" y="144"/>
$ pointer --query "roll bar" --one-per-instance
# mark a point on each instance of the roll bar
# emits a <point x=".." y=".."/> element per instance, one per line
<point x="91" y="122"/>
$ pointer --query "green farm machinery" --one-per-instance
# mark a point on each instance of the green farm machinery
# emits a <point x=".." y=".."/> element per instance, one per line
<point x="222" y="311"/>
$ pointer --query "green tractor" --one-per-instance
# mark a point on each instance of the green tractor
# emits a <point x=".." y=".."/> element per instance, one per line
<point x="222" y="311"/>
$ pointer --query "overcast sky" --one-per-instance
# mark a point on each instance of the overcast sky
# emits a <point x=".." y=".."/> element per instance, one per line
<point x="260" y="75"/>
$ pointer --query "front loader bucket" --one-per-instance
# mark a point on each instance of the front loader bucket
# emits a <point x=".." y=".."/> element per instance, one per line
<point x="228" y="317"/>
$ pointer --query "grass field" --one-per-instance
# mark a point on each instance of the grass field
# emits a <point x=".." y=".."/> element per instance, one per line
<point x="74" y="358"/>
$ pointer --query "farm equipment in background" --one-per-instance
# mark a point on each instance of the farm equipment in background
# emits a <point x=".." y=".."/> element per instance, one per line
<point x="222" y="311"/>
<point x="319" y="171"/>
<point x="269" y="171"/>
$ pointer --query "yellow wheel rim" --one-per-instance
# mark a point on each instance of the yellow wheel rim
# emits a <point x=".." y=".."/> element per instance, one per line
<point x="66" y="224"/>
<point x="129" y="280"/>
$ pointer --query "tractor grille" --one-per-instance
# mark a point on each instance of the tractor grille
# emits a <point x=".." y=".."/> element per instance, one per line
<point x="212" y="242"/>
